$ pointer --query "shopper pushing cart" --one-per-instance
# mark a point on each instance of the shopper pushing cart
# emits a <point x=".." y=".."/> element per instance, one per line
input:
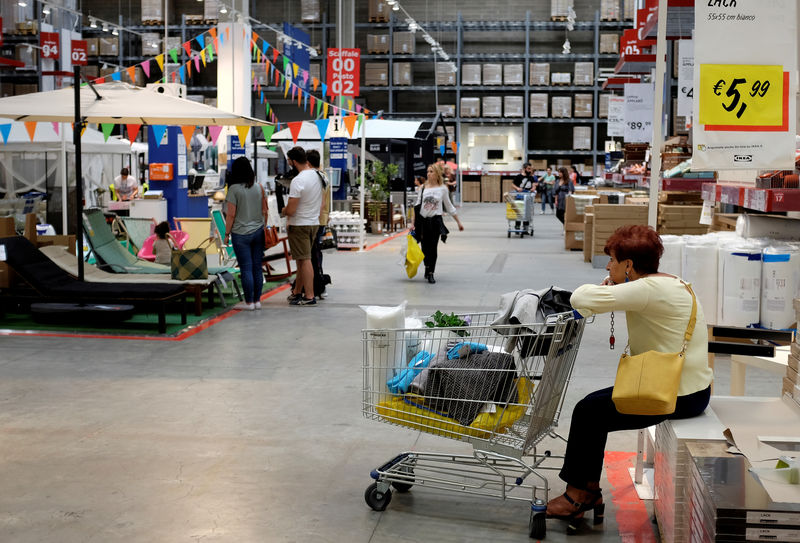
<point x="519" y="213"/>
<point x="497" y="386"/>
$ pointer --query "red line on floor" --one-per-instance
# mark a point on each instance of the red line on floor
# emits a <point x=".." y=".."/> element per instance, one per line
<point x="390" y="238"/>
<point x="633" y="519"/>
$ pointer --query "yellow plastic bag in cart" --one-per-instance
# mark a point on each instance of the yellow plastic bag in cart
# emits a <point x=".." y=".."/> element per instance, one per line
<point x="399" y="411"/>
<point x="414" y="256"/>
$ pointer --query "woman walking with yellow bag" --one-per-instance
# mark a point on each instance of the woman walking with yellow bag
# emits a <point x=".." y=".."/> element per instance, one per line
<point x="661" y="312"/>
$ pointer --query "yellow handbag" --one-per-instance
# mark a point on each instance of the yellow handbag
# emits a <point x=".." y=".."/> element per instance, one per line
<point x="647" y="383"/>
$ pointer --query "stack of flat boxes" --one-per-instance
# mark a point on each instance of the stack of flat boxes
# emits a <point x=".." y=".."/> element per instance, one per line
<point x="581" y="137"/>
<point x="211" y="10"/>
<point x="444" y="75"/>
<point x="309" y="11"/>
<point x="492" y="106"/>
<point x="672" y="473"/>
<point x="560" y="78"/>
<point x="151" y="44"/>
<point x="376" y="74"/>
<point x="609" y="43"/>
<point x="470" y="107"/>
<point x="108" y="46"/>
<point x="539" y="73"/>
<point x="560" y="8"/>
<point x="791" y="383"/>
<point x="378" y="11"/>
<point x="561" y="107"/>
<point x="404" y="43"/>
<point x="574" y="220"/>
<point x="584" y="73"/>
<point x="512" y="106"/>
<point x="513" y="74"/>
<point x="628" y="9"/>
<point x="680" y="220"/>
<point x="402" y="74"/>
<point x="602" y="106"/>
<point x="490" y="188"/>
<point x="583" y="105"/>
<point x="378" y="44"/>
<point x="471" y="74"/>
<point x="609" y="217"/>
<point x="538" y="105"/>
<point x="609" y="10"/>
<point x="492" y="74"/>
<point x="153" y="11"/>
<point x="471" y="191"/>
<point x="447" y="110"/>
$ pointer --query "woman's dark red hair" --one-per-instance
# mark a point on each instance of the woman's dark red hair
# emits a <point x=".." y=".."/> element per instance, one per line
<point x="639" y="243"/>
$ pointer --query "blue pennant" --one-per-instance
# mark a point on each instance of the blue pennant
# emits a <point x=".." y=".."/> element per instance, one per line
<point x="322" y="127"/>
<point x="158" y="133"/>
<point x="5" y="130"/>
<point x="202" y="41"/>
<point x="116" y="76"/>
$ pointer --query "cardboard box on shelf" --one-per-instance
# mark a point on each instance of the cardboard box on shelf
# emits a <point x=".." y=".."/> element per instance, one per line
<point x="153" y="11"/>
<point x="609" y="10"/>
<point x="513" y="74"/>
<point x="560" y="78"/>
<point x="559" y="9"/>
<point x="538" y="105"/>
<point x="583" y="105"/>
<point x="588" y="231"/>
<point x="471" y="191"/>
<point x="581" y="137"/>
<point x="92" y="47"/>
<point x="471" y="74"/>
<point x="378" y="43"/>
<point x="609" y="43"/>
<point x="444" y="75"/>
<point x="447" y="110"/>
<point x="576" y="206"/>
<point x="609" y="217"/>
<point x="310" y="11"/>
<point x="151" y="44"/>
<point x="602" y="106"/>
<point x="402" y="73"/>
<point x="539" y="73"/>
<point x="6" y="89"/>
<point x="492" y="74"/>
<point x="404" y="43"/>
<point x="492" y="106"/>
<point x="378" y="11"/>
<point x="584" y="73"/>
<point x="490" y="187"/>
<point x="211" y="10"/>
<point x="26" y="88"/>
<point x="513" y="106"/>
<point x="561" y="107"/>
<point x="470" y="107"/>
<point x="376" y="74"/>
<point x="628" y="9"/>
<point x="538" y="164"/>
<point x="108" y="46"/>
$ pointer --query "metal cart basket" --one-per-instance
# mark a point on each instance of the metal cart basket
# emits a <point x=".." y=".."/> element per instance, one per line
<point x="519" y="212"/>
<point x="500" y="388"/>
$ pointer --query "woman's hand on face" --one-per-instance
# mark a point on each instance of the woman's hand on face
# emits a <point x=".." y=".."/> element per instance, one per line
<point x="607" y="282"/>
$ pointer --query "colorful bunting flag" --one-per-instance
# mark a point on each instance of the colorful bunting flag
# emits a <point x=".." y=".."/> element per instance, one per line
<point x="116" y="76"/>
<point x="441" y="149"/>
<point x="132" y="74"/>
<point x="189" y="68"/>
<point x="324" y="89"/>
<point x="188" y="132"/>
<point x="360" y="120"/>
<point x="454" y="146"/>
<point x="158" y="133"/>
<point x="242" y="132"/>
<point x="182" y="72"/>
<point x="311" y="101"/>
<point x="268" y="130"/>
<point x="5" y="130"/>
<point x="322" y="128"/>
<point x="106" y="128"/>
<point x="275" y="54"/>
<point x="325" y="110"/>
<point x="294" y="128"/>
<point x="350" y="124"/>
<point x="201" y="39"/>
<point x="173" y="54"/>
<point x="319" y="105"/>
<point x="203" y="56"/>
<point x="211" y="53"/>
<point x="187" y="46"/>
<point x="213" y="31"/>
<point x="349" y="105"/>
<point x="197" y="63"/>
<point x="146" y="68"/>
<point x="305" y="78"/>
<point x="56" y="127"/>
<point x="160" y="61"/>
<point x="214" y="131"/>
<point x="133" y="131"/>
<point x="295" y="67"/>
<point x="314" y="83"/>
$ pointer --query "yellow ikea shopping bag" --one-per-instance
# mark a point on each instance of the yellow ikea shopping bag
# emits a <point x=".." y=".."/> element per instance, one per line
<point x="414" y="256"/>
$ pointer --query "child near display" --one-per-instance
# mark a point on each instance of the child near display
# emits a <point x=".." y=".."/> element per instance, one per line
<point x="163" y="245"/>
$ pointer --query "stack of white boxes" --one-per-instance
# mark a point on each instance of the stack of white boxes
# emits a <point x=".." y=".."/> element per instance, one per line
<point x="211" y="10"/>
<point x="609" y="43"/>
<point x="492" y="106"/>
<point x="402" y="73"/>
<point x="584" y="73"/>
<point x="470" y="74"/>
<point x="583" y="105"/>
<point x="492" y="74"/>
<point x="513" y="74"/>
<point x="539" y="73"/>
<point x="513" y="105"/>
<point x="561" y="107"/>
<point x="581" y="137"/>
<point x="560" y="8"/>
<point x="609" y="10"/>
<point x="470" y="107"/>
<point x="153" y="11"/>
<point x="560" y="78"/>
<point x="538" y="105"/>
<point x="444" y="75"/>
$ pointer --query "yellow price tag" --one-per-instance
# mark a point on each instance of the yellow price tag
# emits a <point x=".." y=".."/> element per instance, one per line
<point x="742" y="97"/>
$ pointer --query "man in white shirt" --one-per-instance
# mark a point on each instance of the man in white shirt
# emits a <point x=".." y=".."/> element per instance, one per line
<point x="125" y="186"/>
<point x="302" y="210"/>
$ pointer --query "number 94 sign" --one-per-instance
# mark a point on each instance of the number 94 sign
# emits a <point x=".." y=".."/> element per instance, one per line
<point x="741" y="97"/>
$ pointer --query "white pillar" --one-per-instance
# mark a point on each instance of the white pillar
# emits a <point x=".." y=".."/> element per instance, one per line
<point x="658" y="121"/>
<point x="233" y="73"/>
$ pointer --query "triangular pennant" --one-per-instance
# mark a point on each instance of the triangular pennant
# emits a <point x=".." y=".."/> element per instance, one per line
<point x="227" y="32"/>
<point x="56" y="127"/>
<point x="305" y="77"/>
<point x="277" y="77"/>
<point x="146" y="68"/>
<point x="298" y="97"/>
<point x="189" y="68"/>
<point x="203" y="56"/>
<point x="197" y="63"/>
<point x="325" y="110"/>
<point x="454" y="146"/>
<point x="173" y="54"/>
<point x="132" y="73"/>
<point x="214" y="131"/>
<point x="262" y="97"/>
<point x="335" y="111"/>
<point x="174" y="77"/>
<point x="441" y="149"/>
<point x="341" y="102"/>
<point x="133" y="131"/>
<point x="314" y="83"/>
<point x="319" y="106"/>
<point x="216" y="45"/>
<point x="295" y="67"/>
<point x="350" y="105"/>
<point x="106" y="128"/>
<point x="158" y="133"/>
<point x="254" y="49"/>
<point x="267" y="130"/>
<point x="294" y="128"/>
<point x="311" y="102"/>
<point x="275" y="54"/>
<point x="211" y="53"/>
<point x="201" y="40"/>
<point x="222" y="38"/>
<point x="358" y="108"/>
<point x="100" y="80"/>
<point x="5" y="130"/>
<point x="324" y="89"/>
<point x="322" y="128"/>
<point x="84" y="126"/>
<point x="266" y="46"/>
<point x="160" y="61"/>
<point x="360" y="120"/>
<point x="187" y="46"/>
<point x="182" y="72"/>
<point x="266" y="108"/>
<point x="188" y="132"/>
<point x="350" y="124"/>
<point x="116" y="76"/>
<point x="242" y="132"/>
<point x="286" y="89"/>
<point x="213" y="32"/>
<point x="256" y="37"/>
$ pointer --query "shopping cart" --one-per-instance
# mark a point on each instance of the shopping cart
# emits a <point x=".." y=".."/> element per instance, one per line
<point x="500" y="388"/>
<point x="519" y="213"/>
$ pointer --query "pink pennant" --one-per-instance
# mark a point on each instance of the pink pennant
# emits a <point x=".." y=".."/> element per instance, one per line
<point x="197" y="63"/>
<point x="56" y="127"/>
<point x="358" y="108"/>
<point x="146" y="68"/>
<point x="214" y="131"/>
<point x="305" y="77"/>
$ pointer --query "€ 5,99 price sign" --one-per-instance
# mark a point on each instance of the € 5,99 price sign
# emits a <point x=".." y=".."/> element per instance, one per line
<point x="744" y="98"/>
<point x="343" y="69"/>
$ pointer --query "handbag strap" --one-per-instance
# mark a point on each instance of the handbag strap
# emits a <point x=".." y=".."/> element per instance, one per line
<point x="687" y="337"/>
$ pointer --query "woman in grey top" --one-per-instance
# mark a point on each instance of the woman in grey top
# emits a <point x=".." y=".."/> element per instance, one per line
<point x="244" y="224"/>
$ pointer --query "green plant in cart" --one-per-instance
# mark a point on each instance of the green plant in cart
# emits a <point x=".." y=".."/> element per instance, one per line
<point x="443" y="320"/>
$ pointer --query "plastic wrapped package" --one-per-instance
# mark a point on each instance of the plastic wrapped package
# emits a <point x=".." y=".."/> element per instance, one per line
<point x="739" y="283"/>
<point x="672" y="259"/>
<point x="780" y="284"/>
<point x="386" y="350"/>
<point x="700" y="269"/>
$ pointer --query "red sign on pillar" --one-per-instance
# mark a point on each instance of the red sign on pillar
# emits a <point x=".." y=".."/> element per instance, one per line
<point x="79" y="52"/>
<point x="48" y="41"/>
<point x="343" y="71"/>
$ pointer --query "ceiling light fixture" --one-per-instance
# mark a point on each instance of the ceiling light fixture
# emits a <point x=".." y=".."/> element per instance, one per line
<point x="115" y="32"/>
<point x="92" y="23"/>
<point x="46" y="10"/>
<point x="22" y="4"/>
<point x="223" y="9"/>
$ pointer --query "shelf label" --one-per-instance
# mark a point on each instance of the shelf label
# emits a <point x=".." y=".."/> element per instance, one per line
<point x="743" y="97"/>
<point x="638" y="112"/>
<point x="48" y="41"/>
<point x="343" y="69"/>
<point x="80" y="50"/>
<point x="616" y="116"/>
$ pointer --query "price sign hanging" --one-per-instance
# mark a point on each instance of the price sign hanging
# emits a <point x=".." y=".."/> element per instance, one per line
<point x="638" y="112"/>
<point x="744" y="97"/>
<point x="48" y="41"/>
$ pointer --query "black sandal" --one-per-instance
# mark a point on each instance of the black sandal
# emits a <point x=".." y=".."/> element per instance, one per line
<point x="598" y="511"/>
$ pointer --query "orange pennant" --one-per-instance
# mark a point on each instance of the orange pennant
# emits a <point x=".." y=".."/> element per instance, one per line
<point x="454" y="146"/>
<point x="188" y="132"/>
<point x="189" y="68"/>
<point x="294" y="128"/>
<point x="213" y="32"/>
<point x="30" y="126"/>
<point x="256" y="37"/>
<point x="315" y="83"/>
<point x="227" y="33"/>
<point x="132" y="74"/>
<point x="350" y="123"/>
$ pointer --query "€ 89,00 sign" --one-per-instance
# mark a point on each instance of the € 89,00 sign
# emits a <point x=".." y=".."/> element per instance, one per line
<point x="744" y="98"/>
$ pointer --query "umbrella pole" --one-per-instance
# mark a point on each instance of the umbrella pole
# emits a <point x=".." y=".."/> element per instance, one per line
<point x="76" y="140"/>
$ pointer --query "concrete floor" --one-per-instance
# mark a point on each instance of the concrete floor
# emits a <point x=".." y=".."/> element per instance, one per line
<point x="251" y="430"/>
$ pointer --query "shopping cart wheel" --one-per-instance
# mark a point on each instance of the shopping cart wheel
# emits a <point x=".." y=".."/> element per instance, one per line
<point x="401" y="486"/>
<point x="537" y="528"/>
<point x="376" y="499"/>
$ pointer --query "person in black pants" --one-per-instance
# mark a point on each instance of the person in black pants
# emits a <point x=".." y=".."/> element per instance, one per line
<point x="662" y="314"/>
<point x="564" y="188"/>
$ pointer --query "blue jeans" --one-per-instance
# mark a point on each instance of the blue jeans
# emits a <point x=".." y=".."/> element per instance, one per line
<point x="249" y="249"/>
<point x="547" y="197"/>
